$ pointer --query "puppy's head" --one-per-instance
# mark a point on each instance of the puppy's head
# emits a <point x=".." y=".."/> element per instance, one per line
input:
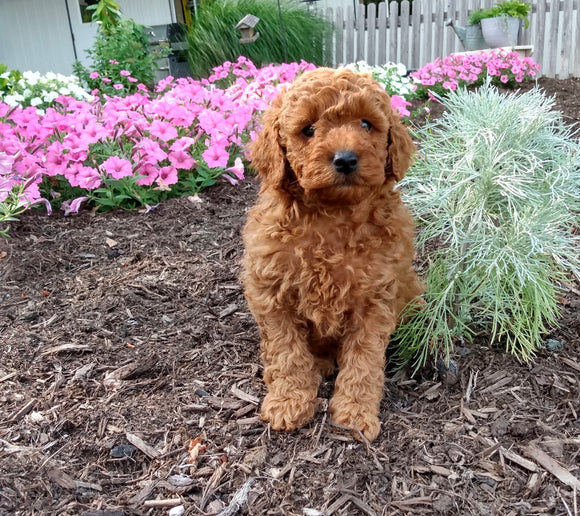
<point x="334" y="133"/>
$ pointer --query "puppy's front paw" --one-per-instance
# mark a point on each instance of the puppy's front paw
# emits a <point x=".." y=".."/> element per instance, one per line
<point x="285" y="413"/>
<point x="357" y="417"/>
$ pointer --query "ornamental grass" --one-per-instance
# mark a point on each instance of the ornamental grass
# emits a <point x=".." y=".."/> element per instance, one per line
<point x="213" y="38"/>
<point x="496" y="193"/>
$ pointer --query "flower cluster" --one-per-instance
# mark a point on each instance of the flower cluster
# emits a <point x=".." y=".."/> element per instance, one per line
<point x="143" y="147"/>
<point x="124" y="77"/>
<point x="392" y="77"/>
<point x="502" y="67"/>
<point x="41" y="91"/>
<point x="114" y="80"/>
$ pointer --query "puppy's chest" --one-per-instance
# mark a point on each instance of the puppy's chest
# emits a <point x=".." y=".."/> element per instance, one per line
<point x="338" y="251"/>
<point x="337" y="269"/>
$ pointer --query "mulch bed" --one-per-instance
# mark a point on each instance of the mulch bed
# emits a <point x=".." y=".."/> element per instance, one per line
<point x="130" y="384"/>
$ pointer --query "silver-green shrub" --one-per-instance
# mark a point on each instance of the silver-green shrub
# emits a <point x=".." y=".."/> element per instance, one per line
<point x="495" y="190"/>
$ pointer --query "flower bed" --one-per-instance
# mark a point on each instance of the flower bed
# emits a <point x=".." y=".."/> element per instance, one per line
<point x="39" y="91"/>
<point x="137" y="150"/>
<point x="503" y="68"/>
<point x="130" y="151"/>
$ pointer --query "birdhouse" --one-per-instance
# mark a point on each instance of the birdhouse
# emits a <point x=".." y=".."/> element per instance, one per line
<point x="247" y="26"/>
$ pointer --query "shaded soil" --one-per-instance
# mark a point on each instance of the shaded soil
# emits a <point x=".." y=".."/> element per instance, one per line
<point x="125" y="341"/>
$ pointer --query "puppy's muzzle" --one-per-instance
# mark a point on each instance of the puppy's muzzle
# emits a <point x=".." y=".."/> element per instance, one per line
<point x="345" y="162"/>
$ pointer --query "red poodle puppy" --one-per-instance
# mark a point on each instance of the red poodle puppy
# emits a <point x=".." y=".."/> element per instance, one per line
<point x="329" y="246"/>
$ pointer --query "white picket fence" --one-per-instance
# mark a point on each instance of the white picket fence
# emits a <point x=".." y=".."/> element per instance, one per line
<point x="417" y="36"/>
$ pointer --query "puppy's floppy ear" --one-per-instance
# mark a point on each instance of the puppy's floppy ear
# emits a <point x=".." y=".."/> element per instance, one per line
<point x="267" y="153"/>
<point x="400" y="149"/>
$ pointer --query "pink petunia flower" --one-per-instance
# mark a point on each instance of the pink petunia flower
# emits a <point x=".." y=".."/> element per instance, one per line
<point x="117" y="167"/>
<point x="94" y="75"/>
<point x="182" y="144"/>
<point x="399" y="104"/>
<point x="216" y="156"/>
<point x="149" y="173"/>
<point x="6" y="163"/>
<point x="56" y="160"/>
<point x="181" y="160"/>
<point x="163" y="130"/>
<point x="125" y="73"/>
<point x="6" y="186"/>
<point x="73" y="205"/>
<point x="89" y="178"/>
<point x="237" y="170"/>
<point x="167" y="176"/>
<point x="211" y="121"/>
<point x="150" y="151"/>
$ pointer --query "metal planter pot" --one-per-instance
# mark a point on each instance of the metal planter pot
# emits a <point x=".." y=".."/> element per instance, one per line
<point x="501" y="31"/>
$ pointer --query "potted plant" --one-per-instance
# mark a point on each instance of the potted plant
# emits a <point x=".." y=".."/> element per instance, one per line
<point x="500" y="24"/>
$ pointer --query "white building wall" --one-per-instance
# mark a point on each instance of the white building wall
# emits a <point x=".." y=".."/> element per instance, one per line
<point x="48" y="35"/>
<point x="35" y="35"/>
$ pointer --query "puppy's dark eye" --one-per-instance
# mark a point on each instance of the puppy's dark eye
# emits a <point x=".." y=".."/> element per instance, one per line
<point x="308" y="131"/>
<point x="365" y="124"/>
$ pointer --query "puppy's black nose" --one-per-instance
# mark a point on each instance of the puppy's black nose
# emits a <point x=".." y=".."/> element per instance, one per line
<point x="345" y="162"/>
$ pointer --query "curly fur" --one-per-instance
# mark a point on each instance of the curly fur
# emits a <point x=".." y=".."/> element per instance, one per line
<point x="327" y="268"/>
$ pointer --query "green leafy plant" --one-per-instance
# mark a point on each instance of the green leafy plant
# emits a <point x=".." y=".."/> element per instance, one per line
<point x="496" y="192"/>
<point x="514" y="8"/>
<point x="201" y="179"/>
<point x="476" y="16"/>
<point x="122" y="61"/>
<point x="107" y="13"/>
<point x="8" y="80"/>
<point x="125" y="193"/>
<point x="13" y="204"/>
<point x="213" y="38"/>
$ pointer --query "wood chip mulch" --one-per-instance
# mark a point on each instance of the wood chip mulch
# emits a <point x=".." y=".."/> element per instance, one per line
<point x="130" y="385"/>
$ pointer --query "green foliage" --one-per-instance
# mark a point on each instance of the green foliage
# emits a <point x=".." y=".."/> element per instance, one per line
<point x="12" y="206"/>
<point x="125" y="193"/>
<point x="58" y="190"/>
<point x="514" y="8"/>
<point x="201" y="178"/>
<point x="123" y="48"/>
<point x="8" y="79"/>
<point x="496" y="192"/>
<point x="213" y="39"/>
<point x="476" y="16"/>
<point x="107" y="14"/>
